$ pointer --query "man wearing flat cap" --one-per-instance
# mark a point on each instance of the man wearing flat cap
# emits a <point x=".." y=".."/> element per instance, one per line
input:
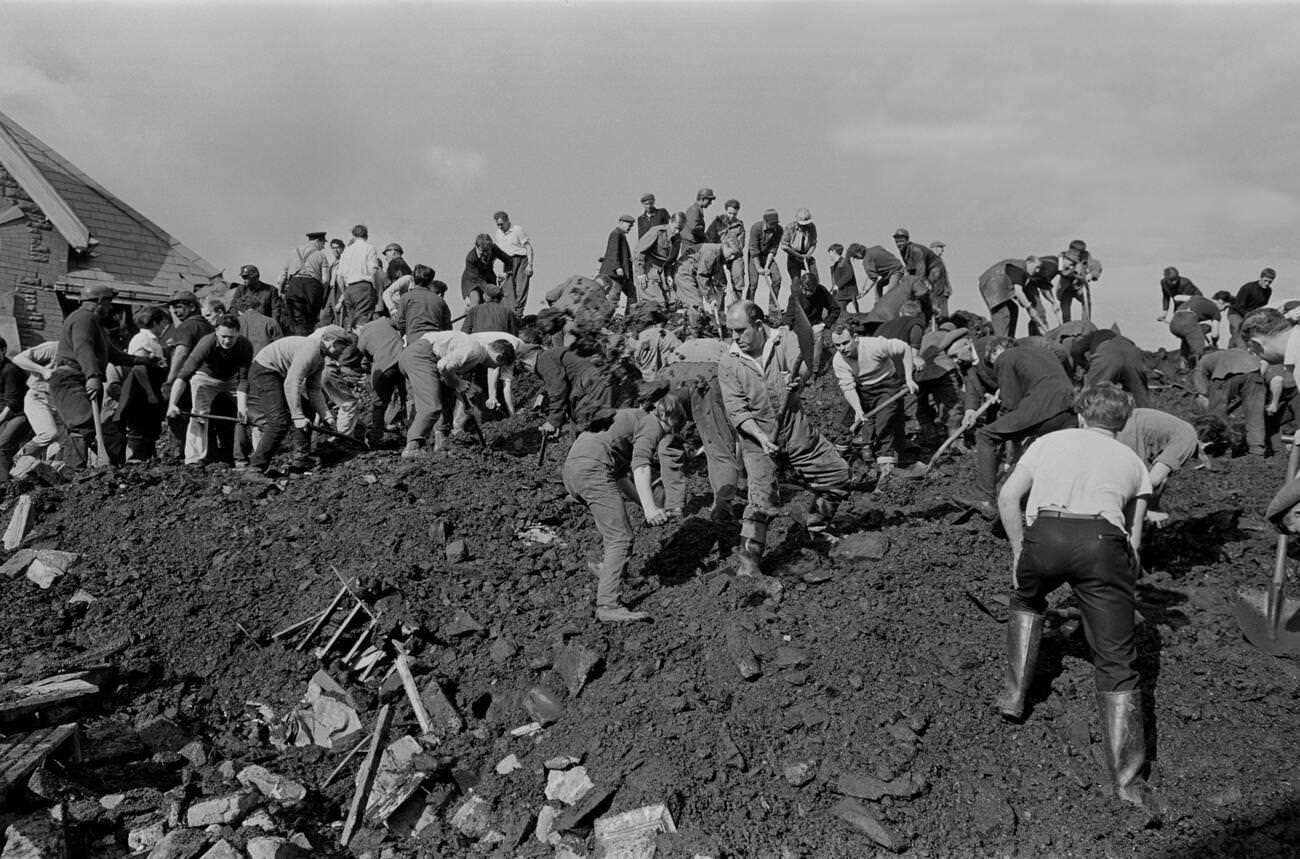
<point x="918" y="262"/>
<point x="760" y="255"/>
<point x="187" y="329"/>
<point x="253" y="293"/>
<point x="941" y="289"/>
<point x="799" y="240"/>
<point x="1079" y="269"/>
<point x="650" y="216"/>
<point x="729" y="231"/>
<point x="81" y="363"/>
<point x="616" y="264"/>
<point x="302" y="284"/>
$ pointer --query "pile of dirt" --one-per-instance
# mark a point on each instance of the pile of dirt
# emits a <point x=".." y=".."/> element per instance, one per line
<point x="847" y="718"/>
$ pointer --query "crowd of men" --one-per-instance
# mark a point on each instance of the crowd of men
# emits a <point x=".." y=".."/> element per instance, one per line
<point x="684" y="341"/>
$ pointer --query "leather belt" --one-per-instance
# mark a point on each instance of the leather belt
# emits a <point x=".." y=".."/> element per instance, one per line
<point x="1049" y="513"/>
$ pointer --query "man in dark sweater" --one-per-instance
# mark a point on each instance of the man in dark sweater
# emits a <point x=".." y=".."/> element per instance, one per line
<point x="491" y="315"/>
<point x="1251" y="296"/>
<point x="1172" y="285"/>
<point x="422" y="309"/>
<point x="218" y="364"/>
<point x="84" y="354"/>
<point x="1036" y="397"/>
<point x="616" y="264"/>
<point x="1105" y="356"/>
<point x="1195" y="320"/>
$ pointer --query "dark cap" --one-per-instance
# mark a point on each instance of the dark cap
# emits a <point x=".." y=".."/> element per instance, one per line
<point x="318" y="236"/>
<point x="1268" y="272"/>
<point x="1078" y="245"/>
<point x="705" y="194"/>
<point x="902" y="233"/>
<point x="96" y="291"/>
<point x="393" y="246"/>
<point x="771" y="216"/>
<point x="184" y="296"/>
<point x="493" y="290"/>
<point x="249" y="271"/>
<point x="647" y="198"/>
<point x="627" y="219"/>
<point x="937" y="244"/>
<point x="732" y="203"/>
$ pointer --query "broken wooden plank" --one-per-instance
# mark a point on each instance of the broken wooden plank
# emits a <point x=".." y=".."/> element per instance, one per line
<point x="338" y="633"/>
<point x="334" y="773"/>
<point x="412" y="692"/>
<point x="19" y="522"/>
<point x="58" y="693"/>
<point x="22" y="754"/>
<point x="324" y="616"/>
<point x="366" y="775"/>
<point x="446" y="719"/>
<point x="362" y="638"/>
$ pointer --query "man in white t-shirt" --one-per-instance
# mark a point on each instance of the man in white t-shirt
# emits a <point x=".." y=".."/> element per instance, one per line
<point x="1086" y="502"/>
<point x="512" y="239"/>
<point x="1273" y="337"/>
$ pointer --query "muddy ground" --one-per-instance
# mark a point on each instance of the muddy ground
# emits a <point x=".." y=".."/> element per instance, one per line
<point x="869" y="668"/>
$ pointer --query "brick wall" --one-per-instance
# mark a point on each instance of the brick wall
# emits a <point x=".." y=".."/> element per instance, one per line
<point x="32" y="257"/>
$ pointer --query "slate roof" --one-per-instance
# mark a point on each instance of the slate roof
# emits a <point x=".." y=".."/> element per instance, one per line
<point x="131" y="248"/>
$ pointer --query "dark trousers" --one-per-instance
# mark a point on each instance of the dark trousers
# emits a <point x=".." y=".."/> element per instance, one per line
<point x="384" y="383"/>
<point x="936" y="401"/>
<point x="359" y="300"/>
<point x="303" y="299"/>
<point x="1247" y="392"/>
<point x="1004" y="318"/>
<point x="14" y="433"/>
<point x="141" y="410"/>
<point x="1186" y="326"/>
<point x="883" y="436"/>
<point x="795" y="266"/>
<point x="1018" y="426"/>
<point x="1094" y="558"/>
<point x="621" y="286"/>
<point x="69" y="399"/>
<point x="268" y="407"/>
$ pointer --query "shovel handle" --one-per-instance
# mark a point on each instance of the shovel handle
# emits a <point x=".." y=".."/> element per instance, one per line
<point x="1276" y="590"/>
<point x="952" y="439"/>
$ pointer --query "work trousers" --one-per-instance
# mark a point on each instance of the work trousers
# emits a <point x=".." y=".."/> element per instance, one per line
<point x="304" y="297"/>
<point x="774" y="275"/>
<point x="1004" y="318"/>
<point x="14" y="432"/>
<point x="72" y="403"/>
<point x="1234" y="330"/>
<point x="141" y="410"/>
<point x="428" y="391"/>
<point x="40" y="414"/>
<point x="1025" y="423"/>
<point x="796" y="266"/>
<point x="359" y="301"/>
<point x="1095" y="559"/>
<point x="621" y="286"/>
<point x="268" y="407"/>
<point x="1110" y="365"/>
<point x="203" y="390"/>
<point x="516" y="283"/>
<point x="884" y="435"/>
<point x="1246" y="392"/>
<point x="659" y="285"/>
<point x="937" y="400"/>
<point x="1066" y="294"/>
<point x="1186" y="326"/>
<point x="384" y="384"/>
<point x="589" y="477"/>
<point x="939" y="304"/>
<point x="813" y="459"/>
<point x="710" y="417"/>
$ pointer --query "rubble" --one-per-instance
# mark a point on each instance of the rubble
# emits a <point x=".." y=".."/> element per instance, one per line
<point x="397" y="779"/>
<point x="575" y="663"/>
<point x="860" y="817"/>
<point x="543" y="706"/>
<point x="471" y="818"/>
<point x="222" y="809"/>
<point x="568" y="786"/>
<point x="862" y="546"/>
<point x="34" y="837"/>
<point x="330" y="720"/>
<point x="270" y="785"/>
<point x="19" y="522"/>
<point x="633" y="834"/>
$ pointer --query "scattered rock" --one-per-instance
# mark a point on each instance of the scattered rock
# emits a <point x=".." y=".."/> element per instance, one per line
<point x="222" y="850"/>
<point x="272" y="847"/>
<point x="471" y="818"/>
<point x="146" y="834"/>
<point x="222" y="809"/>
<point x="456" y="551"/>
<point x="270" y="784"/>
<point x="502" y="649"/>
<point x="860" y="817"/>
<point x="561" y="762"/>
<point x="588" y="807"/>
<point x="862" y="546"/>
<point x="463" y="623"/>
<point x="633" y="834"/>
<point x="330" y="719"/>
<point x="82" y="597"/>
<point x="396" y="780"/>
<point x="906" y="786"/>
<point x="575" y="662"/>
<point x="180" y="844"/>
<point x="799" y="774"/>
<point x="542" y="705"/>
<point x="861" y="786"/>
<point x="35" y="837"/>
<point x="42" y="574"/>
<point x="17" y="563"/>
<point x="789" y="657"/>
<point x="19" y="522"/>
<point x="568" y="786"/>
<point x="1226" y="797"/>
<point x="508" y="764"/>
<point x="260" y="819"/>
<point x="194" y="752"/>
<point x="545" y="828"/>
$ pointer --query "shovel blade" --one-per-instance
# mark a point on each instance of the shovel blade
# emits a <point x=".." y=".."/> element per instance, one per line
<point x="1250" y="608"/>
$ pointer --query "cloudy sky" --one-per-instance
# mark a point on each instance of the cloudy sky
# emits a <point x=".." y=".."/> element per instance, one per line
<point x="1160" y="133"/>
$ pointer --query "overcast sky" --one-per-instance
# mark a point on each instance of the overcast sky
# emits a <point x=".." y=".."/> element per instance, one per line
<point x="1161" y="134"/>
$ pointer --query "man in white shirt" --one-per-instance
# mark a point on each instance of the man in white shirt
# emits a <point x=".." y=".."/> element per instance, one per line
<point x="356" y="272"/>
<point x="438" y="366"/>
<point x="1086" y="500"/>
<point x="869" y="373"/>
<point x="512" y="239"/>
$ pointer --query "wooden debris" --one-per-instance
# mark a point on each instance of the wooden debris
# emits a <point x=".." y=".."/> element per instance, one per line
<point x="446" y="719"/>
<point x="366" y="775"/>
<point x="412" y="692"/>
<point x="334" y="773"/>
<point x="53" y="694"/>
<point x="320" y="621"/>
<point x="19" y="522"/>
<point x="22" y="754"/>
<point x="338" y="633"/>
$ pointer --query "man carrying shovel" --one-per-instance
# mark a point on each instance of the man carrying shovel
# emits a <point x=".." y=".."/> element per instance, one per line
<point x="218" y="364"/>
<point x="872" y="373"/>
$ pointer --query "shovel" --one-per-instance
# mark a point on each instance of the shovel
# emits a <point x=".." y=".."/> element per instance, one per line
<point x="1268" y="619"/>
<point x="323" y="430"/>
<point x="101" y="450"/>
<point x="918" y="470"/>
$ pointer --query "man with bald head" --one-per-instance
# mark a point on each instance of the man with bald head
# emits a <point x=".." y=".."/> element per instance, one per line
<point x="760" y="378"/>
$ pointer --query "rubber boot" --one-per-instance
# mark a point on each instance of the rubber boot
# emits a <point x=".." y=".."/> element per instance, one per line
<point x="1123" y="740"/>
<point x="439" y="440"/>
<point x="412" y="450"/>
<point x="1024" y="631"/>
<point x="747" y="558"/>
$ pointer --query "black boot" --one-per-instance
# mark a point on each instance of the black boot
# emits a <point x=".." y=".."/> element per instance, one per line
<point x="1123" y="739"/>
<point x="1024" y="631"/>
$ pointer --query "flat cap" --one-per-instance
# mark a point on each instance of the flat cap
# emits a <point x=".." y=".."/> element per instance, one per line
<point x="318" y="236"/>
<point x="902" y="233"/>
<point x="647" y="198"/>
<point x="733" y="203"/>
<point x="96" y="291"/>
<point x="705" y="194"/>
<point x="802" y="217"/>
<point x="627" y="219"/>
<point x="249" y="271"/>
<point x="184" y="296"/>
<point x="771" y="216"/>
<point x="393" y="246"/>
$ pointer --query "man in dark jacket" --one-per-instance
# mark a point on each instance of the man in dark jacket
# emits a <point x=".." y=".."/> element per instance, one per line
<point x="1172" y="285"/>
<point x="616" y="264"/>
<point x="259" y="296"/>
<point x="480" y="265"/>
<point x="1251" y="296"/>
<point x="84" y="353"/>
<point x="1105" y="356"/>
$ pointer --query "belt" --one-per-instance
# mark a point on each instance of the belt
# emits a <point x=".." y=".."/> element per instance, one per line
<point x="1048" y="513"/>
<point x="67" y="362"/>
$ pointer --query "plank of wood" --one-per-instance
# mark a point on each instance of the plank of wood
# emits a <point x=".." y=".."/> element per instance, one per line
<point x="19" y="523"/>
<point x="413" y="692"/>
<point x="366" y="775"/>
<point x="22" y="754"/>
<point x="19" y="702"/>
<point x="324" y="616"/>
<point x="323" y="652"/>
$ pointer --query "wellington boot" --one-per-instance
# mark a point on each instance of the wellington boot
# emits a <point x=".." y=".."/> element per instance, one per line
<point x="746" y="563"/>
<point x="439" y="441"/>
<point x="1123" y="739"/>
<point x="412" y="450"/>
<point x="1024" y="631"/>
